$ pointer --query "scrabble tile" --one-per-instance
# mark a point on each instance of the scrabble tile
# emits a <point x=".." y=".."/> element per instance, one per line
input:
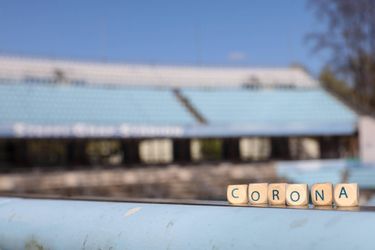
<point x="297" y="195"/>
<point x="258" y="193"/>
<point x="322" y="194"/>
<point x="276" y="193"/>
<point x="346" y="194"/>
<point x="237" y="194"/>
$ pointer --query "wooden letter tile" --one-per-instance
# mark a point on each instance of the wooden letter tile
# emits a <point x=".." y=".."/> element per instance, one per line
<point x="346" y="194"/>
<point x="322" y="194"/>
<point x="237" y="194"/>
<point x="276" y="193"/>
<point x="297" y="195"/>
<point x="258" y="193"/>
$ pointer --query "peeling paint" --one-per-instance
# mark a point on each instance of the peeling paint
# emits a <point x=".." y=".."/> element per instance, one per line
<point x="132" y="211"/>
<point x="298" y="223"/>
<point x="332" y="222"/>
<point x="5" y="201"/>
<point x="33" y="244"/>
<point x="85" y="241"/>
<point x="170" y="224"/>
<point x="214" y="247"/>
<point x="11" y="217"/>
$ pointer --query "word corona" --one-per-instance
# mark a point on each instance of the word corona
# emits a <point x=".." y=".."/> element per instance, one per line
<point x="281" y="194"/>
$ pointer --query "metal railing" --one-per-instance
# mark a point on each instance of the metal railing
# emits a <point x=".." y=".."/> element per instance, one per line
<point x="87" y="224"/>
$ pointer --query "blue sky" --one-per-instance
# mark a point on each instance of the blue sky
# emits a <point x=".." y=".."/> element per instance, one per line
<point x="255" y="33"/>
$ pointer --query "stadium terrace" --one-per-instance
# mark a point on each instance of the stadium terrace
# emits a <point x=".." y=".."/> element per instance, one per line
<point x="159" y="114"/>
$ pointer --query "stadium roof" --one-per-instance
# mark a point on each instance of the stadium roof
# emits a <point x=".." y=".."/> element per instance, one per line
<point x="53" y="110"/>
<point x="18" y="68"/>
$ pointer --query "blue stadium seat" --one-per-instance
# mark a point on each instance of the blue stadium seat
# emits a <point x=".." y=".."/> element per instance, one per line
<point x="270" y="106"/>
<point x="327" y="175"/>
<point x="364" y="176"/>
<point x="66" y="104"/>
<point x="327" y="171"/>
<point x="314" y="171"/>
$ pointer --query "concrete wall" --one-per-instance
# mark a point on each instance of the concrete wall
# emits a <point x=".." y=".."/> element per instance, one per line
<point x="367" y="139"/>
<point x="188" y="182"/>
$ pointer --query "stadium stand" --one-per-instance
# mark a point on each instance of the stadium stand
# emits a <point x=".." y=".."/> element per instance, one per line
<point x="228" y="112"/>
<point x="166" y="113"/>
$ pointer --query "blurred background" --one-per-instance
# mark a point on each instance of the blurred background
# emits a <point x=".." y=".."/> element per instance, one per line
<point x="166" y="99"/>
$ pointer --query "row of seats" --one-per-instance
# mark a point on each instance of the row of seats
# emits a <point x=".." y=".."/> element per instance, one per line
<point x="64" y="104"/>
<point x="51" y="103"/>
<point x="269" y="106"/>
<point x="364" y="176"/>
<point x="313" y="171"/>
<point x="334" y="171"/>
